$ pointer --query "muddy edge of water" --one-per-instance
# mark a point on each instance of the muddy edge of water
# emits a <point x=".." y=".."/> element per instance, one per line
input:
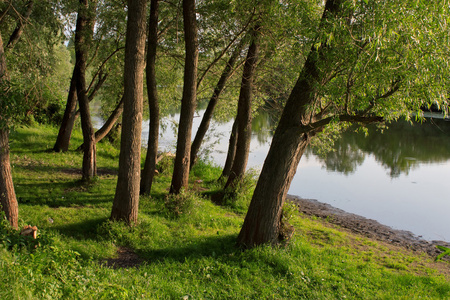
<point x="366" y="227"/>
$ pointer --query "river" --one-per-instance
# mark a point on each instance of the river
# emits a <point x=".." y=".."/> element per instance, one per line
<point x="399" y="178"/>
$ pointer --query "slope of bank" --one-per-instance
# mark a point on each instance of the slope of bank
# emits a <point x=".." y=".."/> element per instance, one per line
<point x="366" y="227"/>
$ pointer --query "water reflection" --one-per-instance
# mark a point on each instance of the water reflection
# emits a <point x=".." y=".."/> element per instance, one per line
<point x="400" y="148"/>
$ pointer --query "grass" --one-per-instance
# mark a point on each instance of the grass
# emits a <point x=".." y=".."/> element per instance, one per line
<point x="188" y="256"/>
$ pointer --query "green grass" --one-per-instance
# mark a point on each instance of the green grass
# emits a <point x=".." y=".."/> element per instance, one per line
<point x="192" y="256"/>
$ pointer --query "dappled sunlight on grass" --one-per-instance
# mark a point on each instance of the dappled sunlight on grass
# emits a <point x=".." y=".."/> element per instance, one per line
<point x="192" y="254"/>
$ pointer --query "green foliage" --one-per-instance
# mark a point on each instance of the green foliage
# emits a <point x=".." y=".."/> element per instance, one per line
<point x="446" y="251"/>
<point x="239" y="195"/>
<point x="289" y="211"/>
<point x="11" y="238"/>
<point x="182" y="204"/>
<point x="38" y="67"/>
<point x="165" y="165"/>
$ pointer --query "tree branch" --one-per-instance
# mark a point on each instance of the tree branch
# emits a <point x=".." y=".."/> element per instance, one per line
<point x="225" y="49"/>
<point x="319" y="125"/>
<point x="102" y="65"/>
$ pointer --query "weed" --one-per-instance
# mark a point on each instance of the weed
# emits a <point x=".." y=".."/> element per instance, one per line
<point x="240" y="194"/>
<point x="289" y="211"/>
<point x="12" y="239"/>
<point x="180" y="204"/>
<point x="165" y="165"/>
<point x="446" y="251"/>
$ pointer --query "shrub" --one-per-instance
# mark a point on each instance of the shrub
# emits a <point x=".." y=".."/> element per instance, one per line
<point x="180" y="204"/>
<point x="12" y="239"/>
<point x="240" y="194"/>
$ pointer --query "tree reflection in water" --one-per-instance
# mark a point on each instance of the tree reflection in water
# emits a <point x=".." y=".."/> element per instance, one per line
<point x="400" y="148"/>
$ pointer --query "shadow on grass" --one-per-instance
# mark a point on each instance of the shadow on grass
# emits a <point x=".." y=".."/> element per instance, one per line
<point x="60" y="194"/>
<point x="86" y="229"/>
<point x="219" y="248"/>
<point x="195" y="248"/>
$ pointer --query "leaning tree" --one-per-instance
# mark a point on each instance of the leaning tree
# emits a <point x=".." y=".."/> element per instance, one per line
<point x="370" y="61"/>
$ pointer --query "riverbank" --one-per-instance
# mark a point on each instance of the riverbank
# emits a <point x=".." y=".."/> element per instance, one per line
<point x="366" y="227"/>
<point x="80" y="254"/>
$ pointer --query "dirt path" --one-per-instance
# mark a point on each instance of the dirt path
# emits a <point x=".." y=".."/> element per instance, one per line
<point x="367" y="227"/>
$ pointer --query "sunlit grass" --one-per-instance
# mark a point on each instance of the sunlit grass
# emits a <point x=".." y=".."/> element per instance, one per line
<point x="191" y="256"/>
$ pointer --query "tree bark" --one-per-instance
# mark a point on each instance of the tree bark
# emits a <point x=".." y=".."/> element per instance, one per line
<point x="209" y="112"/>
<point x="68" y="121"/>
<point x="188" y="102"/>
<point x="126" y="199"/>
<point x="70" y="113"/>
<point x="83" y="36"/>
<point x="231" y="151"/>
<point x="109" y="124"/>
<point x="293" y="134"/>
<point x="153" y="135"/>
<point x="8" y="201"/>
<point x="244" y="113"/>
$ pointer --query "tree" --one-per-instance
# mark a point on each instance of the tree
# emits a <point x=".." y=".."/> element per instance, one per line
<point x="108" y="125"/>
<point x="231" y="151"/>
<point x="189" y="100"/>
<point x="360" y="69"/>
<point x="8" y="199"/>
<point x="83" y="36"/>
<point x="209" y="112"/>
<point x="126" y="199"/>
<point x="23" y="81"/>
<point x="153" y="135"/>
<point x="104" y="47"/>
<point x="244" y="113"/>
<point x="68" y="121"/>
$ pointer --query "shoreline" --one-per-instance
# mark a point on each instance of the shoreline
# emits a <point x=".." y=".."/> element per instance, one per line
<point x="367" y="227"/>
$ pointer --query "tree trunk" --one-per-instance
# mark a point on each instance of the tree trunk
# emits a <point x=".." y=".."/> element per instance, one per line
<point x="207" y="116"/>
<point x="231" y="151"/>
<point x="188" y="102"/>
<point x="8" y="201"/>
<point x="68" y="121"/>
<point x="83" y="36"/>
<point x="152" y="148"/>
<point x="109" y="124"/>
<point x="293" y="134"/>
<point x="244" y="113"/>
<point x="126" y="199"/>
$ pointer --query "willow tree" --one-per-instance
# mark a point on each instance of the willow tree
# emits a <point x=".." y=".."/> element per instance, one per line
<point x="126" y="199"/>
<point x="370" y="61"/>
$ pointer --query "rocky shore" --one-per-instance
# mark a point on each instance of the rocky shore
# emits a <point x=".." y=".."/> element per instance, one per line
<point x="367" y="227"/>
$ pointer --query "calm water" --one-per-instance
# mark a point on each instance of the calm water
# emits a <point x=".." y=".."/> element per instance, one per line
<point x="399" y="178"/>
